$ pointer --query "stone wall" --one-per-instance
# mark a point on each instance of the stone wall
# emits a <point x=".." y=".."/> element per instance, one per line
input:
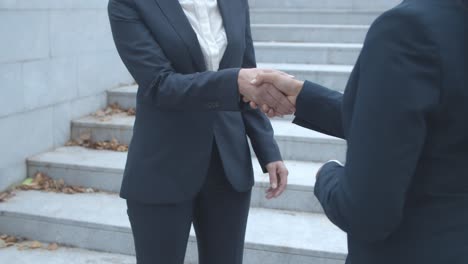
<point x="57" y="59"/>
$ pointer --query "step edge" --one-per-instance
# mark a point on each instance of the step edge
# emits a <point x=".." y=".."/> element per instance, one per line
<point x="127" y="230"/>
<point x="31" y="163"/>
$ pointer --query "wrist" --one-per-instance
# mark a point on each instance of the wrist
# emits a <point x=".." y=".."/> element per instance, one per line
<point x="271" y="163"/>
<point x="241" y="81"/>
<point x="297" y="88"/>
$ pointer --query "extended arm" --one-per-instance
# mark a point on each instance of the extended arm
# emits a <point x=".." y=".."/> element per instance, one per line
<point x="399" y="87"/>
<point x="320" y="109"/>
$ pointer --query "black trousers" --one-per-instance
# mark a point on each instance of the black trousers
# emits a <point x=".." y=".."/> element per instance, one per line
<point x="219" y="216"/>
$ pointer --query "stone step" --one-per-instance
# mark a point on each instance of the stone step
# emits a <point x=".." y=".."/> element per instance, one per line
<point x="103" y="170"/>
<point x="125" y="96"/>
<point x="296" y="143"/>
<point x="63" y="255"/>
<point x="98" y="221"/>
<point x="312" y="16"/>
<point x="309" y="33"/>
<point x="350" y="5"/>
<point x="307" y="53"/>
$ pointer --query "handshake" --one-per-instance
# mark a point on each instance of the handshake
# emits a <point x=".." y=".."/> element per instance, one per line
<point x="274" y="92"/>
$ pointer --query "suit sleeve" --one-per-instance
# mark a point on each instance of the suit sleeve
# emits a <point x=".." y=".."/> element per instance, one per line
<point x="158" y="82"/>
<point x="258" y="126"/>
<point x="320" y="109"/>
<point x="399" y="88"/>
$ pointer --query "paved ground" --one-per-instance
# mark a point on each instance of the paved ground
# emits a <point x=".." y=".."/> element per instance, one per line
<point x="62" y="255"/>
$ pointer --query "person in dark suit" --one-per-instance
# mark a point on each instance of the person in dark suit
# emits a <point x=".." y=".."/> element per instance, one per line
<point x="189" y="158"/>
<point x="402" y="196"/>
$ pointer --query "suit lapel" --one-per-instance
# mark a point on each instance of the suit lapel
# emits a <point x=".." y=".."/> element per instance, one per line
<point x="233" y="24"/>
<point x="176" y="16"/>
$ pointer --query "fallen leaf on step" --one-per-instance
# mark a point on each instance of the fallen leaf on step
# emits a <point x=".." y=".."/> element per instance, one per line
<point x="21" y="247"/>
<point x="68" y="190"/>
<point x="86" y="142"/>
<point x="131" y="111"/>
<point x="99" y="113"/>
<point x="52" y="247"/>
<point x="11" y="239"/>
<point x="23" y="243"/>
<point x="112" y="109"/>
<point x="4" y="196"/>
<point x="43" y="182"/>
<point x="85" y="136"/>
<point x="27" y="181"/>
<point x="35" y="245"/>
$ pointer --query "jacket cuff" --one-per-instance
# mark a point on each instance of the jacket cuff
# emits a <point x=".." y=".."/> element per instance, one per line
<point x="310" y="99"/>
<point x="232" y="98"/>
<point x="272" y="156"/>
<point x="326" y="180"/>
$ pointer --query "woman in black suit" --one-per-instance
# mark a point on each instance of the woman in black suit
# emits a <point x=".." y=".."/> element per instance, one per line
<point x="189" y="159"/>
<point x="402" y="197"/>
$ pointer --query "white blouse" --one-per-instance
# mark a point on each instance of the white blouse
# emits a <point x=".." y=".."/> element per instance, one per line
<point x="207" y="22"/>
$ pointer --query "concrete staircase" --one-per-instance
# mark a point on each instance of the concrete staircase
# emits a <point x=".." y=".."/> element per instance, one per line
<point x="311" y="39"/>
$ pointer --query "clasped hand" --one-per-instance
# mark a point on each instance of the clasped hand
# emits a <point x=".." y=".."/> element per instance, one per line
<point x="275" y="92"/>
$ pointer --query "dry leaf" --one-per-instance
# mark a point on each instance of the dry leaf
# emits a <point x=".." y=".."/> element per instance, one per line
<point x="35" y="245"/>
<point x="22" y="243"/>
<point x="21" y="247"/>
<point x="131" y="112"/>
<point x="68" y="190"/>
<point x="100" y="113"/>
<point x="4" y="196"/>
<point x="11" y="239"/>
<point x="85" y="136"/>
<point x="52" y="247"/>
<point x="41" y="181"/>
<point x="114" y="144"/>
<point x="112" y="109"/>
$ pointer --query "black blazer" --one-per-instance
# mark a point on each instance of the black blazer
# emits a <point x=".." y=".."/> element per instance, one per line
<point x="181" y="107"/>
<point x="402" y="196"/>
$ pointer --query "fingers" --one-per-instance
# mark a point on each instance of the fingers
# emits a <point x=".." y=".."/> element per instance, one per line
<point x="269" y="97"/>
<point x="278" y="179"/>
<point x="269" y="94"/>
<point x="265" y="77"/>
<point x="264" y="99"/>
<point x="285" y="107"/>
<point x="271" y="113"/>
<point x="283" y="180"/>
<point x="272" y="172"/>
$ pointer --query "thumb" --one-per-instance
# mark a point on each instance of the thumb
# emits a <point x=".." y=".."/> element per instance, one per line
<point x="262" y="78"/>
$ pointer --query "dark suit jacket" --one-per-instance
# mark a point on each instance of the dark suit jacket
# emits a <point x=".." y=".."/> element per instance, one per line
<point x="181" y="107"/>
<point x="402" y="196"/>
